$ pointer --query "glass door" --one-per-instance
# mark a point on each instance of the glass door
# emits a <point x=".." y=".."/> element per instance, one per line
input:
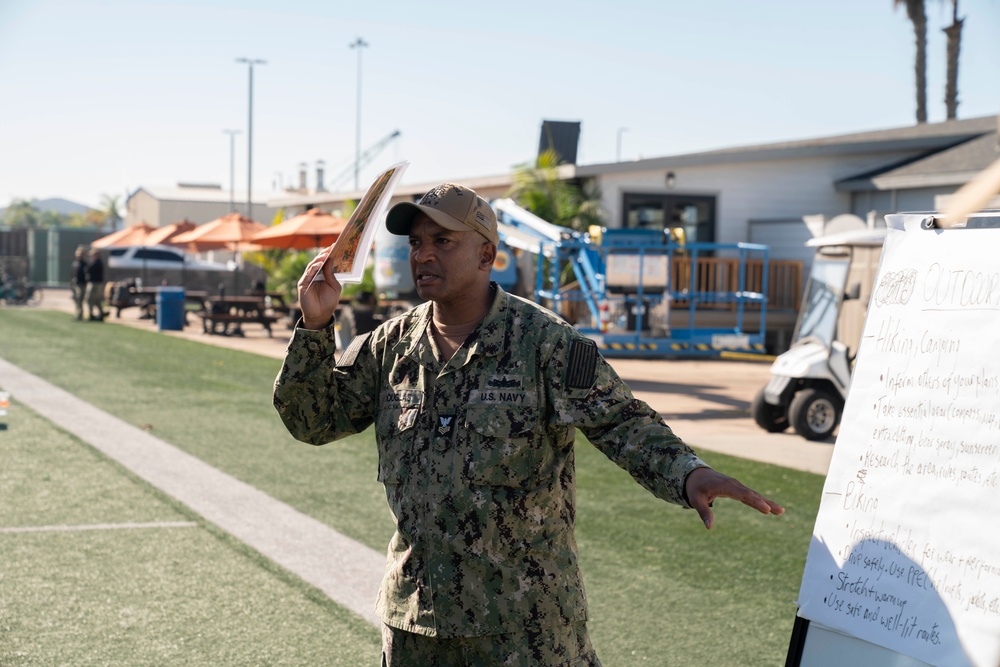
<point x="694" y="214"/>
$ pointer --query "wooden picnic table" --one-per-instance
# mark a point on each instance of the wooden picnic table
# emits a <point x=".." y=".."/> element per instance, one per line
<point x="144" y="298"/>
<point x="226" y="315"/>
<point x="290" y="312"/>
<point x="277" y="305"/>
<point x="276" y="300"/>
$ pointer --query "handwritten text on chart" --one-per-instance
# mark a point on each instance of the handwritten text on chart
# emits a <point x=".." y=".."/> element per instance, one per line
<point x="941" y="287"/>
<point x="904" y="553"/>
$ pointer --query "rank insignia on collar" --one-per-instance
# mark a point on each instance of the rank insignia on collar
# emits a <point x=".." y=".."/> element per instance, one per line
<point x="444" y="424"/>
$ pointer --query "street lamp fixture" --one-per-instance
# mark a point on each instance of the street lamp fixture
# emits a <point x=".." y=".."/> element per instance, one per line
<point x="618" y="150"/>
<point x="232" y="172"/>
<point x="358" y="44"/>
<point x="250" y="62"/>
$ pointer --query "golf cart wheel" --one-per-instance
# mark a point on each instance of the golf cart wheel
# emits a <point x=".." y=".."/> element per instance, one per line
<point x="769" y="417"/>
<point x="814" y="413"/>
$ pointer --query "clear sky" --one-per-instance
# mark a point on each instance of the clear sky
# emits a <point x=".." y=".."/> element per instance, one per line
<point x="103" y="97"/>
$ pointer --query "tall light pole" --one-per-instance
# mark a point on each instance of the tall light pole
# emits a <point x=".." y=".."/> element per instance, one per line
<point x="358" y="44"/>
<point x="232" y="170"/>
<point x="618" y="150"/>
<point x="250" y="63"/>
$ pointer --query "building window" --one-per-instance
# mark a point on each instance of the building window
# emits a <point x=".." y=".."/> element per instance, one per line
<point x="695" y="214"/>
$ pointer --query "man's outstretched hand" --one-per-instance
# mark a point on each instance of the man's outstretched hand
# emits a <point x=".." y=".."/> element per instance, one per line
<point x="704" y="485"/>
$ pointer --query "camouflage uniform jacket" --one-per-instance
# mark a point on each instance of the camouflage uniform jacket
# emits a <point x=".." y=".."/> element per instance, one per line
<point x="476" y="456"/>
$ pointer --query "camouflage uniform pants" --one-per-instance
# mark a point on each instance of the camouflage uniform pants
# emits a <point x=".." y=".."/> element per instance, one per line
<point x="559" y="646"/>
<point x="79" y="297"/>
<point x="95" y="301"/>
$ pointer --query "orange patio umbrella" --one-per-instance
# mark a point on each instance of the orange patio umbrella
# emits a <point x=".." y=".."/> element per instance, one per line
<point x="131" y="235"/>
<point x="312" y="229"/>
<point x="165" y="235"/>
<point x="232" y="231"/>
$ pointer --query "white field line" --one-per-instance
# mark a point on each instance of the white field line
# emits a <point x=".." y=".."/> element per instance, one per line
<point x="97" y="526"/>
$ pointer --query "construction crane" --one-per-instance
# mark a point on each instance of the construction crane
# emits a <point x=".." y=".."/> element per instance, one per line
<point x="363" y="160"/>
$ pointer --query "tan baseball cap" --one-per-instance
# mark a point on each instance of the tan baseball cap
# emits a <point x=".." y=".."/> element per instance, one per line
<point x="454" y="207"/>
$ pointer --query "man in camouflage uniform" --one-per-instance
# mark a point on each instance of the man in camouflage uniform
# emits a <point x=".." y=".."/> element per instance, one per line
<point x="475" y="397"/>
<point x="78" y="280"/>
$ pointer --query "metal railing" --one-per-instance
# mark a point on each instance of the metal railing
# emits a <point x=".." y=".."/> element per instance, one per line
<point x="717" y="275"/>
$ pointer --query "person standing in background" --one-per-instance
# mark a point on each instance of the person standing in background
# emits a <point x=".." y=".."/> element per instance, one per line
<point x="95" y="286"/>
<point x="78" y="280"/>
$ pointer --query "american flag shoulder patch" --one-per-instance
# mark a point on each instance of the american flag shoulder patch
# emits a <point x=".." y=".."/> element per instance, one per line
<point x="582" y="364"/>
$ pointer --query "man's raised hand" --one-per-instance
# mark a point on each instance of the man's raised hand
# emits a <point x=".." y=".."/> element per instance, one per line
<point x="318" y="298"/>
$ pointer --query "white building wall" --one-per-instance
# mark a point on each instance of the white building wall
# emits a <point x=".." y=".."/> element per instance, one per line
<point x="144" y="207"/>
<point x="898" y="201"/>
<point x="919" y="199"/>
<point x="201" y="212"/>
<point x="764" y="190"/>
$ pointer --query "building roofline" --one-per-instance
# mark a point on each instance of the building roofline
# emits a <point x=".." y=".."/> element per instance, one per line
<point x="950" y="166"/>
<point x="905" y="182"/>
<point x="402" y="190"/>
<point x="198" y="195"/>
<point x="911" y="138"/>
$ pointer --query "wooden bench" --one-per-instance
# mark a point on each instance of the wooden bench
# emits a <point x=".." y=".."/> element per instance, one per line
<point x="121" y="297"/>
<point x="275" y="305"/>
<point x="194" y="298"/>
<point x="211" y="322"/>
<point x="230" y="314"/>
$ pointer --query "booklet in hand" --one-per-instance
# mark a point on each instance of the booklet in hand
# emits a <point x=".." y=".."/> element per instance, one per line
<point x="351" y="249"/>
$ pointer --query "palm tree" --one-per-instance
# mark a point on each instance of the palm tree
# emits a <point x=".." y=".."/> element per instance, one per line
<point x="954" y="34"/>
<point x="541" y="189"/>
<point x="917" y="14"/>
<point x="109" y="211"/>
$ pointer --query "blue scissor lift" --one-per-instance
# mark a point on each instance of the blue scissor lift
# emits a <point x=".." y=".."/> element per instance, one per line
<point x="627" y="293"/>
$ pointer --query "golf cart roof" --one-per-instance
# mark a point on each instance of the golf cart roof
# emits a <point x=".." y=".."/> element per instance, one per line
<point x="859" y="237"/>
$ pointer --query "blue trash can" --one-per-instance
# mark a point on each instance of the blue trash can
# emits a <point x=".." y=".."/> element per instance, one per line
<point x="170" y="308"/>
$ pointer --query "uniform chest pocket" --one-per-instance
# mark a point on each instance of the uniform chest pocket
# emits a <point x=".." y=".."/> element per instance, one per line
<point x="396" y="433"/>
<point x="395" y="450"/>
<point x="505" y="448"/>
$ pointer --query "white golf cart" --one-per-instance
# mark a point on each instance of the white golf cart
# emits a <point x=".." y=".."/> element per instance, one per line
<point x="809" y="382"/>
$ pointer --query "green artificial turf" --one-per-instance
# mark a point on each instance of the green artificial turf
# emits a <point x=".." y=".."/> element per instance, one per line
<point x="662" y="590"/>
<point x="212" y="402"/>
<point x="87" y="586"/>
